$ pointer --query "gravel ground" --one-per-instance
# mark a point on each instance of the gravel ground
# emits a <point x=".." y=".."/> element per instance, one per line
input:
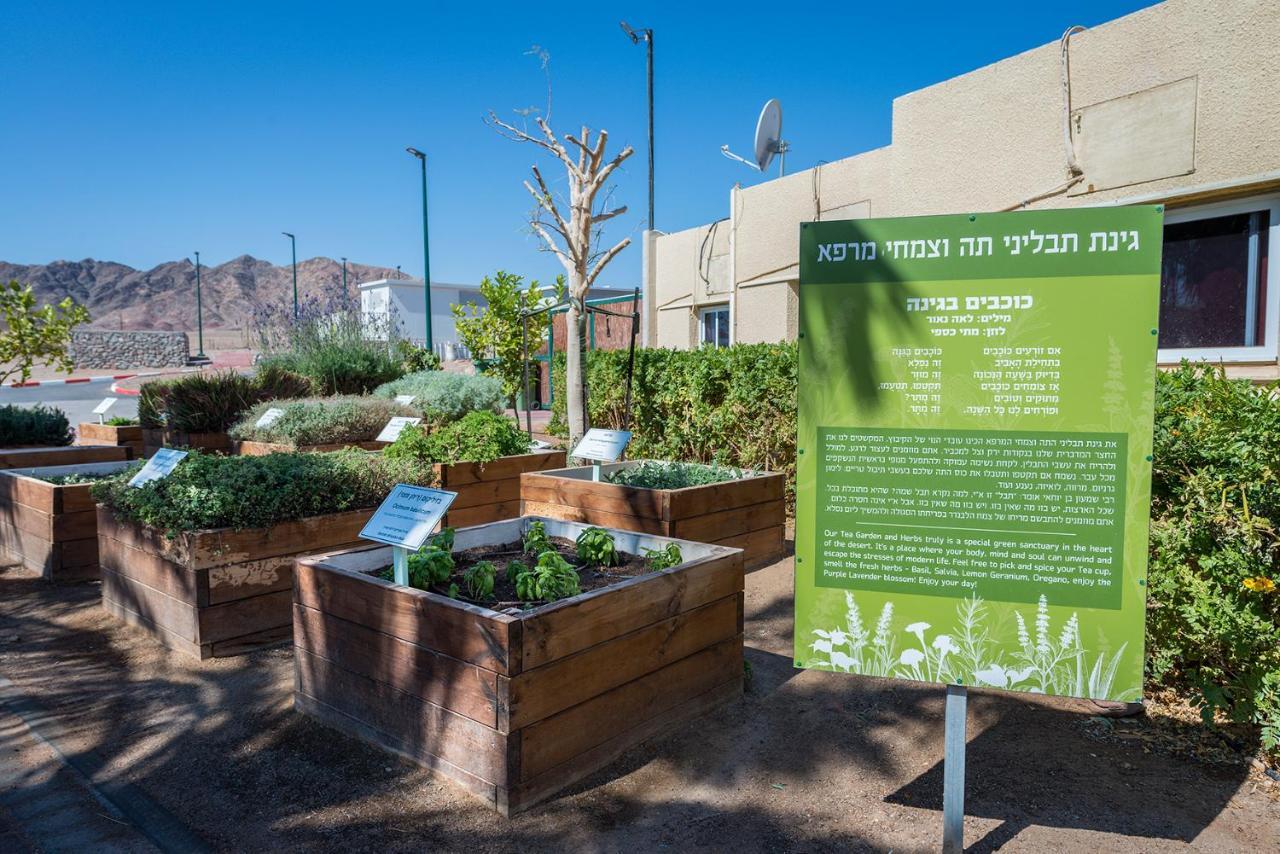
<point x="806" y="761"/>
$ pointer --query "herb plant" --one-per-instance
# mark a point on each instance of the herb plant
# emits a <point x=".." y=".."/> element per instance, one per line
<point x="595" y="546"/>
<point x="535" y="539"/>
<point x="444" y="396"/>
<point x="320" y="421"/>
<point x="514" y="568"/>
<point x="212" y="401"/>
<point x="33" y="425"/>
<point x="479" y="437"/>
<point x="653" y="474"/>
<point x="664" y="558"/>
<point x="479" y="580"/>
<point x="120" y="421"/>
<point x="550" y="579"/>
<point x="429" y="566"/>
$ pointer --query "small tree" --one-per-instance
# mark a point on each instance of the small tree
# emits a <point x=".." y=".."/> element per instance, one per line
<point x="33" y="334"/>
<point x="575" y="239"/>
<point x="497" y="329"/>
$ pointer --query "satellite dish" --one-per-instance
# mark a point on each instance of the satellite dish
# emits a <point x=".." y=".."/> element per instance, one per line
<point x="768" y="142"/>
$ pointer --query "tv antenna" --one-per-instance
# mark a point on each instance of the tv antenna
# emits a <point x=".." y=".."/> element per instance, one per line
<point x="769" y="140"/>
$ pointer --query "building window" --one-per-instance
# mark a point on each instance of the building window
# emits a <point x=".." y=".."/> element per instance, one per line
<point x="715" y="326"/>
<point x="1216" y="297"/>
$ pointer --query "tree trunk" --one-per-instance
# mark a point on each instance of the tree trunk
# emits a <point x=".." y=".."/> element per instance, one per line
<point x="573" y="370"/>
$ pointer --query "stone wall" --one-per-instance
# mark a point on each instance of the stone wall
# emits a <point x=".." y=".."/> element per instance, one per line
<point x="94" y="348"/>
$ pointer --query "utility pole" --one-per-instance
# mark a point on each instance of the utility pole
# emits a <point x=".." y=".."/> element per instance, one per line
<point x="426" y="253"/>
<point x="294" y="245"/>
<point x="636" y="36"/>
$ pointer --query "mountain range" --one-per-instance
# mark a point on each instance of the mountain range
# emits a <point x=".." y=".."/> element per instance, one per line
<point x="164" y="297"/>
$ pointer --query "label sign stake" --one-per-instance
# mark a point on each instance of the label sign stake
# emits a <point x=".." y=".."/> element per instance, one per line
<point x="601" y="446"/>
<point x="161" y="464"/>
<point x="406" y="399"/>
<point x="395" y="427"/>
<point x="271" y="416"/>
<point x="101" y="409"/>
<point x="405" y="520"/>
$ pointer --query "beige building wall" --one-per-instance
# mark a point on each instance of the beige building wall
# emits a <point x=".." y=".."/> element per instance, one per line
<point x="1178" y="103"/>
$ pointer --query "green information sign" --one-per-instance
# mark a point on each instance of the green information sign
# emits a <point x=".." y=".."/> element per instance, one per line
<point x="973" y="488"/>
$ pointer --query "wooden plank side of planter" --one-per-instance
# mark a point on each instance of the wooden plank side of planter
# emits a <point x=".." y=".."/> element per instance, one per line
<point x="555" y="631"/>
<point x="69" y="560"/>
<point x="249" y="578"/>
<point x="726" y="495"/>
<point x="417" y="727"/>
<point x="266" y="613"/>
<point x="504" y="468"/>
<point x="93" y="433"/>
<point x="440" y="680"/>
<point x="464" y="632"/>
<point x="759" y="547"/>
<point x="485" y="492"/>
<point x="594" y="516"/>
<point x="482" y="514"/>
<point x="543" y="691"/>
<point x="173" y="616"/>
<point x="343" y="722"/>
<point x="560" y="738"/>
<point x="151" y="569"/>
<point x="123" y="613"/>
<point x="719" y="525"/>
<point x="610" y="497"/>
<point x="67" y="456"/>
<point x="29" y="491"/>
<point x="538" y="788"/>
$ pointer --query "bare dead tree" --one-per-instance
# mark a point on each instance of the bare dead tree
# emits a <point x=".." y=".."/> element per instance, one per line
<point x="573" y="237"/>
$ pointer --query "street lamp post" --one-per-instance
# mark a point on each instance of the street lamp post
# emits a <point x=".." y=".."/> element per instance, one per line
<point x="344" y="275"/>
<point x="199" y="315"/>
<point x="636" y="37"/>
<point x="426" y="253"/>
<point x="293" y="244"/>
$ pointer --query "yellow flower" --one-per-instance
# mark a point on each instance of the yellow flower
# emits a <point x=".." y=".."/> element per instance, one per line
<point x="1260" y="584"/>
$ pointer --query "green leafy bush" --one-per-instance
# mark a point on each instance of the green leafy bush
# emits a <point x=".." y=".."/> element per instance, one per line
<point x="320" y="421"/>
<point x="479" y="579"/>
<point x="1213" y="615"/>
<point x="429" y="565"/>
<point x="33" y="425"/>
<point x="655" y="474"/>
<point x="551" y="578"/>
<point x="479" y="437"/>
<point x="730" y="405"/>
<point x="414" y="358"/>
<point x="207" y="491"/>
<point x="445" y="396"/>
<point x="595" y="546"/>
<point x="120" y="421"/>
<point x="535" y="540"/>
<point x="211" y="401"/>
<point x="664" y="558"/>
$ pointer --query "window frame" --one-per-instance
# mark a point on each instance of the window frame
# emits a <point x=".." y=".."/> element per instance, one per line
<point x="1267" y="351"/>
<point x="703" y="311"/>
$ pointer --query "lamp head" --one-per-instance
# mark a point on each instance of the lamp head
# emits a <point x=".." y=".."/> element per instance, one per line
<point x="631" y="34"/>
<point x="416" y="153"/>
<point x="287" y="234"/>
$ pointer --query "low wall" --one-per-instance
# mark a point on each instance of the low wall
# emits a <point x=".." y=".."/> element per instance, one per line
<point x="100" y="348"/>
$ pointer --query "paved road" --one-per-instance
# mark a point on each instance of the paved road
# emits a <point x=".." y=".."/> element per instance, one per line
<point x="76" y="399"/>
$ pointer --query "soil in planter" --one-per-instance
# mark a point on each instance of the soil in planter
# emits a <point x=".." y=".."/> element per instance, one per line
<point x="590" y="576"/>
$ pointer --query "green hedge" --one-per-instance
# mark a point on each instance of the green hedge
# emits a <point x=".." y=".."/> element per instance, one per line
<point x="730" y="405"/>
<point x="320" y="421"/>
<point x="1213" y="614"/>
<point x="207" y="491"/>
<point x="38" y="425"/>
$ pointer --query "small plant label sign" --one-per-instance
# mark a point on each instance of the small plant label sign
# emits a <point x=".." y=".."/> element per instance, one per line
<point x="160" y="465"/>
<point x="406" y="399"/>
<point x="408" y="516"/>
<point x="395" y="427"/>
<point x="271" y="416"/>
<point x="101" y="408"/>
<point x="602" y="445"/>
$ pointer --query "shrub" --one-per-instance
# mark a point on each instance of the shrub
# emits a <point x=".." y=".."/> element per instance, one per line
<point x="496" y="329"/>
<point x="207" y="491"/>
<point x="446" y="396"/>
<point x="33" y="425"/>
<point x="654" y="474"/>
<point x="320" y="421"/>
<point x="479" y="437"/>
<point x="329" y="340"/>
<point x="730" y="405"/>
<point x="211" y="401"/>
<point x="120" y="421"/>
<point x="414" y="358"/>
<point x="1213" y="621"/>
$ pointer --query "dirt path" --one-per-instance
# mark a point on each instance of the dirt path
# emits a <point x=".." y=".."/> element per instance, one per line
<point x="806" y="761"/>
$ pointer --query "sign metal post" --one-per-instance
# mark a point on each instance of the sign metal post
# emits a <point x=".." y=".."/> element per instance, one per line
<point x="953" y="769"/>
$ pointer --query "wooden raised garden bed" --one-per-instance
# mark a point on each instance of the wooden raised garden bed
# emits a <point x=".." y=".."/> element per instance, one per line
<point x="749" y="513"/>
<point x="212" y="593"/>
<point x="23" y="458"/>
<point x="127" y="436"/>
<point x="250" y="448"/>
<point x="52" y="528"/>
<point x="153" y="440"/>
<point x="488" y="492"/>
<point x="516" y="705"/>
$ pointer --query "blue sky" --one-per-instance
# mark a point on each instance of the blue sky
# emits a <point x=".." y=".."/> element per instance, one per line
<point x="140" y="132"/>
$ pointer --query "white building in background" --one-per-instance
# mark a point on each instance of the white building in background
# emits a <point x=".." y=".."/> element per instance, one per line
<point x="402" y="302"/>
